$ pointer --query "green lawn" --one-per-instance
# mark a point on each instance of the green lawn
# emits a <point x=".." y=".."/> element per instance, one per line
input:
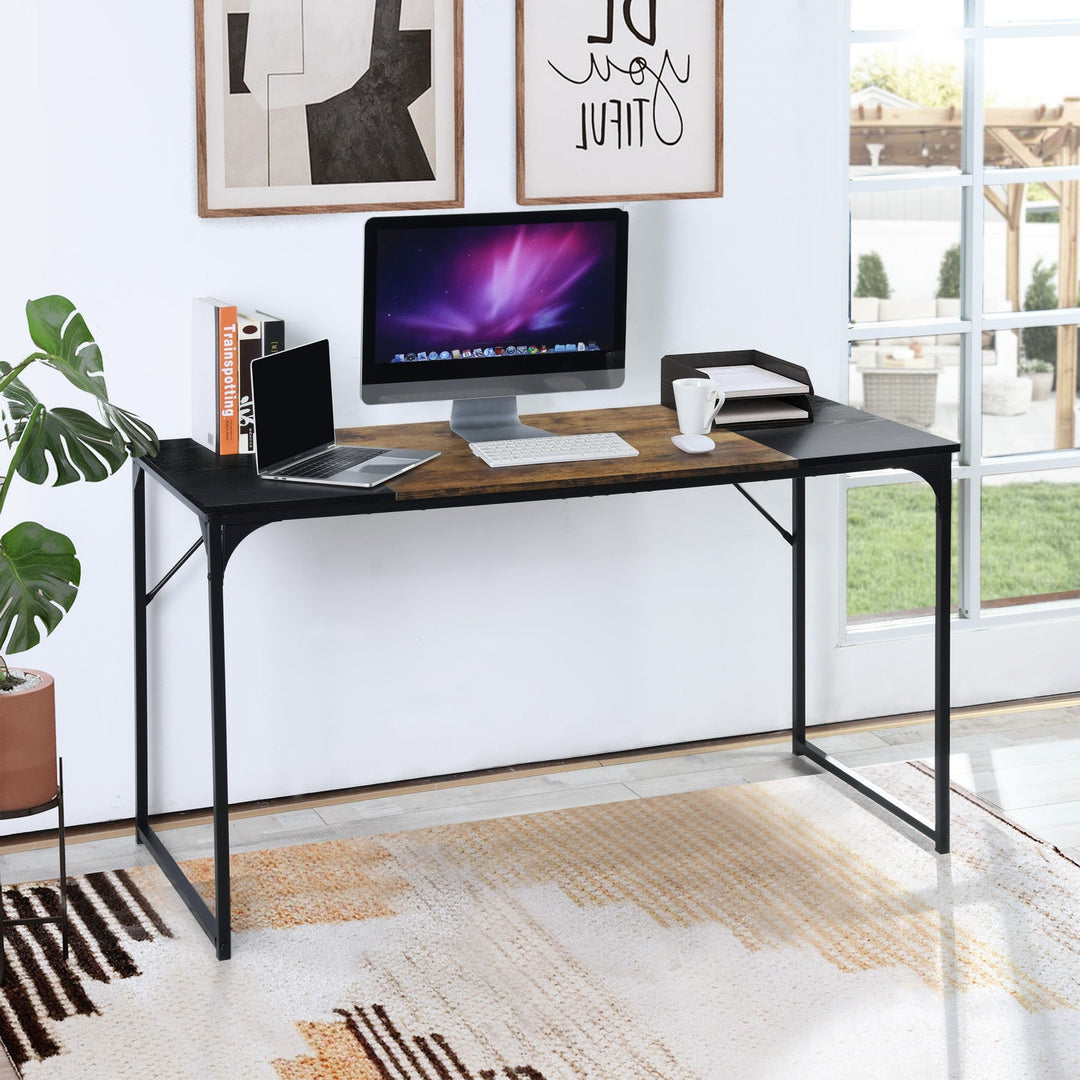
<point x="1030" y="544"/>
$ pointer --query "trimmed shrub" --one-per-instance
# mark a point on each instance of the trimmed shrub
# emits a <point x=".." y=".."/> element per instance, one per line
<point x="1040" y="342"/>
<point x="872" y="279"/>
<point x="948" y="282"/>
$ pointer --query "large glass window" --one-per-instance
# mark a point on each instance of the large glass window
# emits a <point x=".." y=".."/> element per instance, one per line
<point x="964" y="210"/>
<point x="913" y="380"/>
<point x="890" y="565"/>
<point x="900" y="247"/>
<point x="1028" y="11"/>
<point x="1031" y="537"/>
<point x="906" y="100"/>
<point x="887" y="14"/>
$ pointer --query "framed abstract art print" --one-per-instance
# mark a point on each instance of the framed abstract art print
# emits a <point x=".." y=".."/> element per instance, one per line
<point x="313" y="106"/>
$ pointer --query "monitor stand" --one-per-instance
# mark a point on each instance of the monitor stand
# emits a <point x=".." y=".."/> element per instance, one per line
<point x="484" y="419"/>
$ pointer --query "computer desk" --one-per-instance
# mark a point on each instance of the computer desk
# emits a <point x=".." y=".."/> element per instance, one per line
<point x="230" y="502"/>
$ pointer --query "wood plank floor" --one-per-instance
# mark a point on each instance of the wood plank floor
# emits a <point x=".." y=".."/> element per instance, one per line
<point x="1024" y="759"/>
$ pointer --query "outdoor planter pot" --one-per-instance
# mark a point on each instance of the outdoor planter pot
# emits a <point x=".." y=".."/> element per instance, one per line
<point x="27" y="745"/>
<point x="1042" y="382"/>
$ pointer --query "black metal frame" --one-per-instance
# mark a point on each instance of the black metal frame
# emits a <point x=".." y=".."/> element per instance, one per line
<point x="224" y="527"/>
<point x="938" y="475"/>
<point x="57" y="803"/>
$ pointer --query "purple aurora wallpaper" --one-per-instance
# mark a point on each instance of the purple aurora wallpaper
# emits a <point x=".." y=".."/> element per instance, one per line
<point x="484" y="291"/>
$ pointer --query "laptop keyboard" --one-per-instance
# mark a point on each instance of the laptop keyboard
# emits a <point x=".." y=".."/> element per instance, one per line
<point x="334" y="461"/>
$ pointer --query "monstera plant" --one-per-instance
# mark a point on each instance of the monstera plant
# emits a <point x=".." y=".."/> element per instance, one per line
<point x="39" y="569"/>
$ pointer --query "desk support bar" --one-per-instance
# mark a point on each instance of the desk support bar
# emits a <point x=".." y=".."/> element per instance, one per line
<point x="180" y="562"/>
<point x="145" y="834"/>
<point x="764" y="513"/>
<point x="871" y="791"/>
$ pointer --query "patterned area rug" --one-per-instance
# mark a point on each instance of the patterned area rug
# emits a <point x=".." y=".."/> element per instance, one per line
<point x="773" y="930"/>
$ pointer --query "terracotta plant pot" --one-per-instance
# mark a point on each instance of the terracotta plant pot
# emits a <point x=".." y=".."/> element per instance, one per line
<point x="27" y="746"/>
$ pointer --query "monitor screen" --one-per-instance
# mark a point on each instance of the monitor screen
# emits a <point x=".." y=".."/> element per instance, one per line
<point x="485" y="305"/>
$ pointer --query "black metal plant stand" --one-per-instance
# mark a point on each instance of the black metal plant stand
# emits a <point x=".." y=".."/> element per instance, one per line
<point x="57" y="802"/>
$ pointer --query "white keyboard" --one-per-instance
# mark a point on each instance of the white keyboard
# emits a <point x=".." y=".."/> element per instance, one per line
<point x="545" y="449"/>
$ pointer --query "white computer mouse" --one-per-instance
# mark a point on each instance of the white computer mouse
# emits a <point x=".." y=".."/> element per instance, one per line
<point x="693" y="444"/>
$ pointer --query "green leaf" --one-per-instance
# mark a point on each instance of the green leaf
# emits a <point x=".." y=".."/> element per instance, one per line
<point x="39" y="579"/>
<point x="46" y="318"/>
<point x="137" y="433"/>
<point x="81" y="447"/>
<point x="39" y="572"/>
<point x="61" y="332"/>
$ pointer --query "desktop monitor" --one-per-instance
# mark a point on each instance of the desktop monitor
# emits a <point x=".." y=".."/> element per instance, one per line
<point x="480" y="308"/>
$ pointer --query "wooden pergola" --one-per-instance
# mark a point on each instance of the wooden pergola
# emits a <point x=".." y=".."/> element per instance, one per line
<point x="1015" y="138"/>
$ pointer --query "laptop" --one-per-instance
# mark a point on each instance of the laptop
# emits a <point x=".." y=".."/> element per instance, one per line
<point x="293" y="408"/>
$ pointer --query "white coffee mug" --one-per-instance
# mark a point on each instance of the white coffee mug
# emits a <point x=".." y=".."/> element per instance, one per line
<point x="697" y="401"/>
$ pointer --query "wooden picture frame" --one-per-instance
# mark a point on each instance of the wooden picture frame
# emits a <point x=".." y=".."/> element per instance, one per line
<point x="619" y="100"/>
<point x="288" y="122"/>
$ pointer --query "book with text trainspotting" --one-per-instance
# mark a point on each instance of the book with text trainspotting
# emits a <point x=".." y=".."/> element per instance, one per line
<point x="215" y="391"/>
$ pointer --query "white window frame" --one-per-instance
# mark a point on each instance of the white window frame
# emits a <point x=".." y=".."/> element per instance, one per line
<point x="969" y="467"/>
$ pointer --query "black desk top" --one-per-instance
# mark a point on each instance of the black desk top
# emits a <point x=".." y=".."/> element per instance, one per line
<point x="840" y="439"/>
<point x="841" y="435"/>
<point x="211" y="484"/>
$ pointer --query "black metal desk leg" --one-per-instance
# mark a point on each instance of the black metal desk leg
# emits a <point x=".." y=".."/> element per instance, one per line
<point x="942" y="485"/>
<point x="215" y="552"/>
<point x="142" y="802"/>
<point x="218" y="542"/>
<point x="938" y="475"/>
<point x="798" y="614"/>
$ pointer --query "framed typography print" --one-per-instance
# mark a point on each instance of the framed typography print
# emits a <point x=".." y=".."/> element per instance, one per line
<point x="311" y="106"/>
<point x="619" y="99"/>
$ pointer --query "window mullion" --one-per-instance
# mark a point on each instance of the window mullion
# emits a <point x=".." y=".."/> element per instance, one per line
<point x="972" y="244"/>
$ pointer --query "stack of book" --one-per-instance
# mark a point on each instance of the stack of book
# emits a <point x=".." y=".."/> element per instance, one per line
<point x="224" y="341"/>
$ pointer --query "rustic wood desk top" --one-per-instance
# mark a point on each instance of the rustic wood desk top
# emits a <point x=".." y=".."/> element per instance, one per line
<point x="459" y="473"/>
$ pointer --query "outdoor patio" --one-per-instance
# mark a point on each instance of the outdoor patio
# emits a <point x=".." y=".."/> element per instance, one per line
<point x="1028" y="432"/>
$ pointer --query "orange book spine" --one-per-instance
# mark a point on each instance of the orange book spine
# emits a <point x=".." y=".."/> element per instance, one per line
<point x="228" y="383"/>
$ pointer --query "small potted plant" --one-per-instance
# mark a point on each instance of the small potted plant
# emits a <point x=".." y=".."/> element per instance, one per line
<point x="39" y="569"/>
<point x="1041" y="374"/>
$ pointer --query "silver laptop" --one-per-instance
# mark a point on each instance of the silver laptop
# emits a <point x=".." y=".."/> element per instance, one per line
<point x="293" y="408"/>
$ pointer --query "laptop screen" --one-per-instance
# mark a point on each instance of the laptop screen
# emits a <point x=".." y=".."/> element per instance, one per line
<point x="293" y="402"/>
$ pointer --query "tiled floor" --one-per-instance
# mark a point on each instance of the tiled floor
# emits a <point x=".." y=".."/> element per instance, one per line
<point x="1024" y="759"/>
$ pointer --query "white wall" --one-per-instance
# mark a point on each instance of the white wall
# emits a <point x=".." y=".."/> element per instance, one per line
<point x="371" y="649"/>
